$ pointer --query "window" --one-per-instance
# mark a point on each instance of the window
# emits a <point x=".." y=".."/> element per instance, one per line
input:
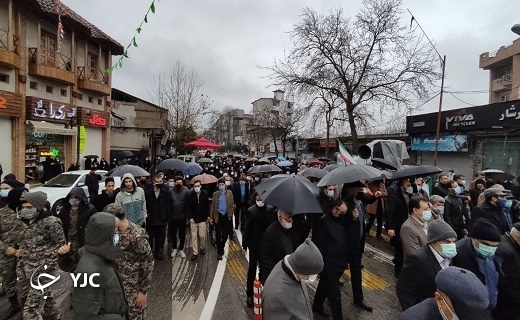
<point x="80" y="96"/>
<point x="100" y="102"/>
<point x="90" y="99"/>
<point x="92" y="66"/>
<point x="48" y="49"/>
<point x="4" y="77"/>
<point x="49" y="89"/>
<point x="63" y="92"/>
<point x="33" y="85"/>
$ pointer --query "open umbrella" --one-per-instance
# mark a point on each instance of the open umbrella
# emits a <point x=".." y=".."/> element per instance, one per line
<point x="316" y="163"/>
<point x="192" y="169"/>
<point x="333" y="166"/>
<point x="415" y="171"/>
<point x="91" y="156"/>
<point x="290" y="193"/>
<point x="314" y="172"/>
<point x="285" y="163"/>
<point x="205" y="160"/>
<point x="203" y="144"/>
<point x="263" y="160"/>
<point x="349" y="174"/>
<point x="171" y="164"/>
<point x="258" y="156"/>
<point x="383" y="163"/>
<point x="126" y="154"/>
<point x="498" y="175"/>
<point x="136" y="171"/>
<point x="204" y="179"/>
<point x="324" y="159"/>
<point x="265" y="169"/>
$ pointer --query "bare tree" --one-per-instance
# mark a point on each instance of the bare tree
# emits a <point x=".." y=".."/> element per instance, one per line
<point x="371" y="62"/>
<point x="182" y="92"/>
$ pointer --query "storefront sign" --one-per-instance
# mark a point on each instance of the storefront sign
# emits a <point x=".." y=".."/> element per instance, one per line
<point x="55" y="112"/>
<point x="447" y="143"/>
<point x="96" y="120"/>
<point x="332" y="143"/>
<point x="50" y="111"/>
<point x="53" y="153"/>
<point x="3" y="103"/>
<point x="493" y="116"/>
<point x="10" y="104"/>
<point x="82" y="139"/>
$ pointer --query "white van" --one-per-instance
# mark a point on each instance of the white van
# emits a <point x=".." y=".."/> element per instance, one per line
<point x="187" y="158"/>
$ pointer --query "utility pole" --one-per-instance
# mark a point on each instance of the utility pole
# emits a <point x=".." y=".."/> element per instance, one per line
<point x="439" y="113"/>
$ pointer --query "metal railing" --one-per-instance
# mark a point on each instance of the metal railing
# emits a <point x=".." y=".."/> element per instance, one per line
<point x="92" y="74"/>
<point x="50" y="58"/>
<point x="4" y="41"/>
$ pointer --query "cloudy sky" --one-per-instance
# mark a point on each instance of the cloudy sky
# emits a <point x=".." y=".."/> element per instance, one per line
<point x="225" y="41"/>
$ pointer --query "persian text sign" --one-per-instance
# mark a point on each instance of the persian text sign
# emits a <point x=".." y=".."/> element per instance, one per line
<point x="447" y="143"/>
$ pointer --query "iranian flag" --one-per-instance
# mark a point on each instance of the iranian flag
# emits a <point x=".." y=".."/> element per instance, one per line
<point x="344" y="155"/>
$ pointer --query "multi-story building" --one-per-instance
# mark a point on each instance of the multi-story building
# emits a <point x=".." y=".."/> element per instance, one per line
<point x="230" y="127"/>
<point x="137" y="126"/>
<point x="504" y="72"/>
<point x="51" y="83"/>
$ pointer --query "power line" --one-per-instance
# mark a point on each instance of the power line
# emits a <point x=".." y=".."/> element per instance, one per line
<point x="470" y="104"/>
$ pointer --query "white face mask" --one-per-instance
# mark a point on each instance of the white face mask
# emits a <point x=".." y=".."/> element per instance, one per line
<point x="409" y="190"/>
<point x="260" y="204"/>
<point x="227" y="182"/>
<point x="287" y="225"/>
<point x="330" y="193"/>
<point x="312" y="278"/>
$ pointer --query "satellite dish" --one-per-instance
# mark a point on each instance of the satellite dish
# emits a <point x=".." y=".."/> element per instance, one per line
<point x="364" y="152"/>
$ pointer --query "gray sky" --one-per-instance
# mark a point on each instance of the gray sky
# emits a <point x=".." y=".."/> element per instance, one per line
<point x="225" y="41"/>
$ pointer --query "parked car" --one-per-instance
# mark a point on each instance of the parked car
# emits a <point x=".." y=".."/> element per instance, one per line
<point x="187" y="158"/>
<point x="59" y="187"/>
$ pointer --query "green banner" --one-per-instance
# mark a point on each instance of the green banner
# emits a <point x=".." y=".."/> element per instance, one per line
<point x="82" y="139"/>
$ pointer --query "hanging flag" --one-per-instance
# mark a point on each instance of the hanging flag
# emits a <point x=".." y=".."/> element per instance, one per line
<point x="61" y="32"/>
<point x="344" y="155"/>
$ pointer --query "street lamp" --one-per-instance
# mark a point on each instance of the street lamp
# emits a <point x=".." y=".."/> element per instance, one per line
<point x="516" y="28"/>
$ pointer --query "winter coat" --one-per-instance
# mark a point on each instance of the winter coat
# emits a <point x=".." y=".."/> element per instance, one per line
<point x="284" y="297"/>
<point x="104" y="200"/>
<point x="275" y="245"/>
<point x="213" y="209"/>
<point x="158" y="208"/>
<point x="258" y="221"/>
<point x="412" y="236"/>
<point x="238" y="192"/>
<point x="179" y="204"/>
<point x="107" y="301"/>
<point x="85" y="211"/>
<point x="330" y="236"/>
<point x="426" y="310"/>
<point x="397" y="209"/>
<point x="454" y="213"/>
<point x="92" y="182"/>
<point x="133" y="203"/>
<point x="492" y="213"/>
<point x="508" y="307"/>
<point x="198" y="206"/>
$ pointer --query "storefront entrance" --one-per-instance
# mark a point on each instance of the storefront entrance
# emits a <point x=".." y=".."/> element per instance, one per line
<point x="44" y="155"/>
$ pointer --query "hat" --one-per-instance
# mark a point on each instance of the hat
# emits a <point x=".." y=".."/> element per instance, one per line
<point x="440" y="230"/>
<point x="306" y="259"/>
<point x="114" y="209"/>
<point x="466" y="292"/>
<point x="493" y="192"/>
<point x="37" y="199"/>
<point x="509" y="194"/>
<point x="483" y="229"/>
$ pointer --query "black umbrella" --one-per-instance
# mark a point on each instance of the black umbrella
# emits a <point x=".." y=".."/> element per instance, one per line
<point x="498" y="175"/>
<point x="136" y="171"/>
<point x="331" y="167"/>
<point x="91" y="156"/>
<point x="349" y="174"/>
<point x="126" y="154"/>
<point x="172" y="164"/>
<point x="265" y="169"/>
<point x="290" y="193"/>
<point x="383" y="163"/>
<point x="324" y="159"/>
<point x="415" y="171"/>
<point x="313" y="172"/>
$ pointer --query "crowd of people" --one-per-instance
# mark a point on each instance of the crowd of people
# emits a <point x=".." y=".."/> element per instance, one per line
<point x="456" y="245"/>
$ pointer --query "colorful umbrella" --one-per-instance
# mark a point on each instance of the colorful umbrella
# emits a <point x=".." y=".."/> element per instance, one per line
<point x="203" y="144"/>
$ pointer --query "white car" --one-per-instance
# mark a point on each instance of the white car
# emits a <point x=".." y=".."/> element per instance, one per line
<point x="59" y="187"/>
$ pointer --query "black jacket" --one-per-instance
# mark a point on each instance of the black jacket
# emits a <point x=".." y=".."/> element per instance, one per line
<point x="237" y="193"/>
<point x="325" y="202"/>
<point x="198" y="207"/>
<point x="397" y="210"/>
<point x="417" y="279"/>
<point x="92" y="182"/>
<point x="85" y="211"/>
<point x="508" y="307"/>
<point x="275" y="245"/>
<point x="179" y="200"/>
<point x="104" y="200"/>
<point x="355" y="229"/>
<point x="466" y="258"/>
<point x="258" y="221"/>
<point x="330" y="237"/>
<point x="158" y="208"/>
<point x="494" y="214"/>
<point x="454" y="213"/>
<point x="440" y="190"/>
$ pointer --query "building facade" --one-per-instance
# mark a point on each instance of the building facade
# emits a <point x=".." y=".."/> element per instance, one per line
<point x="54" y="97"/>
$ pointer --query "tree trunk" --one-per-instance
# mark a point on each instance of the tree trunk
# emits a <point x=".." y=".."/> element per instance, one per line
<point x="353" y="131"/>
<point x="275" y="147"/>
<point x="327" y="142"/>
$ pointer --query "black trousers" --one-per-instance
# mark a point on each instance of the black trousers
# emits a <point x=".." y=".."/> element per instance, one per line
<point x="354" y="261"/>
<point x="329" y="288"/>
<point x="240" y="215"/>
<point x="92" y="195"/>
<point x="223" y="230"/>
<point x="156" y="237"/>
<point x="398" y="253"/>
<point x="251" y="271"/>
<point x="173" y="228"/>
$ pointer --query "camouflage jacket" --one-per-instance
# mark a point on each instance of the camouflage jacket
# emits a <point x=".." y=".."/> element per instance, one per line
<point x="11" y="229"/>
<point x="40" y="243"/>
<point x="136" y="264"/>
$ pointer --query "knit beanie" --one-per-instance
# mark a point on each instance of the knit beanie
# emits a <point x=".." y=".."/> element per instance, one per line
<point x="483" y="229"/>
<point x="37" y="199"/>
<point x="307" y="259"/>
<point x="439" y="230"/>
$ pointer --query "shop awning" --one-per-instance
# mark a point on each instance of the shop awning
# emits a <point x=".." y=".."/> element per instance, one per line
<point x="51" y="128"/>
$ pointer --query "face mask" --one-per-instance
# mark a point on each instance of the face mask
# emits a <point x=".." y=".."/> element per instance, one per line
<point x="171" y="184"/>
<point x="260" y="204"/>
<point x="448" y="250"/>
<point x="228" y="183"/>
<point x="426" y="216"/>
<point x="312" y="278"/>
<point x="463" y="182"/>
<point x="409" y="190"/>
<point x="257" y="179"/>
<point x="116" y="239"/>
<point x="439" y="210"/>
<point x="481" y="187"/>
<point x="222" y="188"/>
<point x="287" y="225"/>
<point x="74" y="201"/>
<point x="4" y="193"/>
<point x="504" y="203"/>
<point x="197" y="189"/>
<point x="485" y="250"/>
<point x="458" y="190"/>
<point x="27" y="213"/>
<point x="330" y="193"/>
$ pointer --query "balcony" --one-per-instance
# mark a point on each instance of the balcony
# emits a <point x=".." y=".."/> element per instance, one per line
<point x="503" y="83"/>
<point x="94" y="80"/>
<point x="51" y="65"/>
<point x="9" y="54"/>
